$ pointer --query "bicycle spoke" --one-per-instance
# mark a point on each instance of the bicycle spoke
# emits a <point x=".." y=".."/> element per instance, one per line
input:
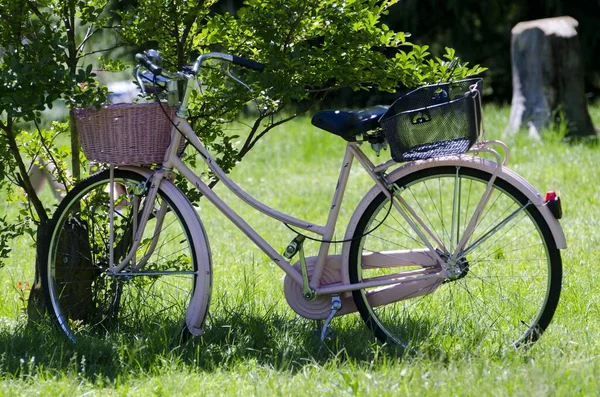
<point x="500" y="290"/>
<point x="495" y="229"/>
<point x="87" y="297"/>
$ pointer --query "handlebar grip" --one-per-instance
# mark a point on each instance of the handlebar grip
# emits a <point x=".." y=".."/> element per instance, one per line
<point x="248" y="63"/>
<point x="143" y="59"/>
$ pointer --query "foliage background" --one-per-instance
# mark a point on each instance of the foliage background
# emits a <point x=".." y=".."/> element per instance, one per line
<point x="480" y="32"/>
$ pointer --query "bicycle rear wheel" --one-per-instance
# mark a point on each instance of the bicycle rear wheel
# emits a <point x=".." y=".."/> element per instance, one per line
<point x="83" y="297"/>
<point x="504" y="286"/>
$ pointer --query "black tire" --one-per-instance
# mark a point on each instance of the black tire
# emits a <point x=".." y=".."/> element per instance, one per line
<point x="504" y="292"/>
<point x="82" y="297"/>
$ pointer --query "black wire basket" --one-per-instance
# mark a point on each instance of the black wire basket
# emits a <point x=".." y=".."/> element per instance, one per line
<point x="434" y="120"/>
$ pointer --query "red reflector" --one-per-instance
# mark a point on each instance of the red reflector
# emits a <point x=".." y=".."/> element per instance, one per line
<point x="551" y="195"/>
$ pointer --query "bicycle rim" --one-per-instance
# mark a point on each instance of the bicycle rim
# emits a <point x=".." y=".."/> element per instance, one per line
<point x="505" y="285"/>
<point x="83" y="296"/>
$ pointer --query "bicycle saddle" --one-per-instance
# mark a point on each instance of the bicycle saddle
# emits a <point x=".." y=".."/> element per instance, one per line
<point x="349" y="123"/>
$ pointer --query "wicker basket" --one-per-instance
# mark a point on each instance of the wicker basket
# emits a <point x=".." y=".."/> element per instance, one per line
<point x="434" y="120"/>
<point x="125" y="134"/>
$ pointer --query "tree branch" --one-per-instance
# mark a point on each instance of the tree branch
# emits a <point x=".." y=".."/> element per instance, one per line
<point x="68" y="18"/>
<point x="189" y="19"/>
<point x="33" y="7"/>
<point x="75" y="146"/>
<point x="324" y="90"/>
<point x="102" y="50"/>
<point x="293" y="26"/>
<point x="60" y="171"/>
<point x="248" y="145"/>
<point x="90" y="32"/>
<point x="23" y="178"/>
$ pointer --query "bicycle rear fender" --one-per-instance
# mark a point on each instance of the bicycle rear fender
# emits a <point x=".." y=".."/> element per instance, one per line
<point x="198" y="307"/>
<point x="464" y="161"/>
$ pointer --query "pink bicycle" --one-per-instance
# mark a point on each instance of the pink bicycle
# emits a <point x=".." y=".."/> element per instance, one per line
<point x="447" y="244"/>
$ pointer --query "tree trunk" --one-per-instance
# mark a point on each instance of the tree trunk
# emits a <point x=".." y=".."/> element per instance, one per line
<point x="75" y="271"/>
<point x="75" y="147"/>
<point x="36" y="306"/>
<point x="548" y="77"/>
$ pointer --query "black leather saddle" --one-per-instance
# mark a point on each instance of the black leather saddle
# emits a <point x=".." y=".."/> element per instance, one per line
<point x="349" y="123"/>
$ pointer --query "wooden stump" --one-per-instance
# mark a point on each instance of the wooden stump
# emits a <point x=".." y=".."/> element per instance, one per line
<point x="548" y="77"/>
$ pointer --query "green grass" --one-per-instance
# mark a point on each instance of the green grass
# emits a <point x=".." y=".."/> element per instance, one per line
<point x="254" y="344"/>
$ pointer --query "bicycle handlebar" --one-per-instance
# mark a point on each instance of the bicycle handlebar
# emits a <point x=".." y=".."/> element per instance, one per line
<point x="229" y="58"/>
<point x="156" y="70"/>
<point x="248" y="63"/>
<point x="144" y="60"/>
<point x="150" y="58"/>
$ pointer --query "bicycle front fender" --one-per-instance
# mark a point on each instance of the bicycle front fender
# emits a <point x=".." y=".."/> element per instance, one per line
<point x="200" y="301"/>
<point x="478" y="163"/>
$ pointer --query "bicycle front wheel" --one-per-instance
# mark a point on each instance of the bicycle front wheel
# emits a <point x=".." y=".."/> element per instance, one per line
<point x="501" y="290"/>
<point x="151" y="294"/>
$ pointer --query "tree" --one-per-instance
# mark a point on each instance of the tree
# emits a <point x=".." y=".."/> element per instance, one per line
<point x="27" y="38"/>
<point x="41" y="64"/>
<point x="311" y="48"/>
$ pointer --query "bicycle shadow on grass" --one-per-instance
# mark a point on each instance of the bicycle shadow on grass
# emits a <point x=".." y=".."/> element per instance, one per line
<point x="274" y="340"/>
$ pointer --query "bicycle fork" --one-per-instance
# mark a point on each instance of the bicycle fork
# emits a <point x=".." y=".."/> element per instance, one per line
<point x="139" y="222"/>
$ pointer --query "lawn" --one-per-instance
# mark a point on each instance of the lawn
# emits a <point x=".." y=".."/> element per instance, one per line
<point x="254" y="344"/>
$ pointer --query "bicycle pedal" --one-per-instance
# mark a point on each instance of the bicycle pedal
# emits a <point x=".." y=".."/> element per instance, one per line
<point x="293" y="247"/>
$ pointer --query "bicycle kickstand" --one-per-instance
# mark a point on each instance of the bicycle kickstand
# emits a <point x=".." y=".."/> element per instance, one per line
<point x="336" y="304"/>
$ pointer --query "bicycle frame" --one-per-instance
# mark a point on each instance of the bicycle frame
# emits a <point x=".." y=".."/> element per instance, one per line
<point x="471" y="240"/>
<point x="172" y="161"/>
<point x="435" y="265"/>
<point x="427" y="259"/>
